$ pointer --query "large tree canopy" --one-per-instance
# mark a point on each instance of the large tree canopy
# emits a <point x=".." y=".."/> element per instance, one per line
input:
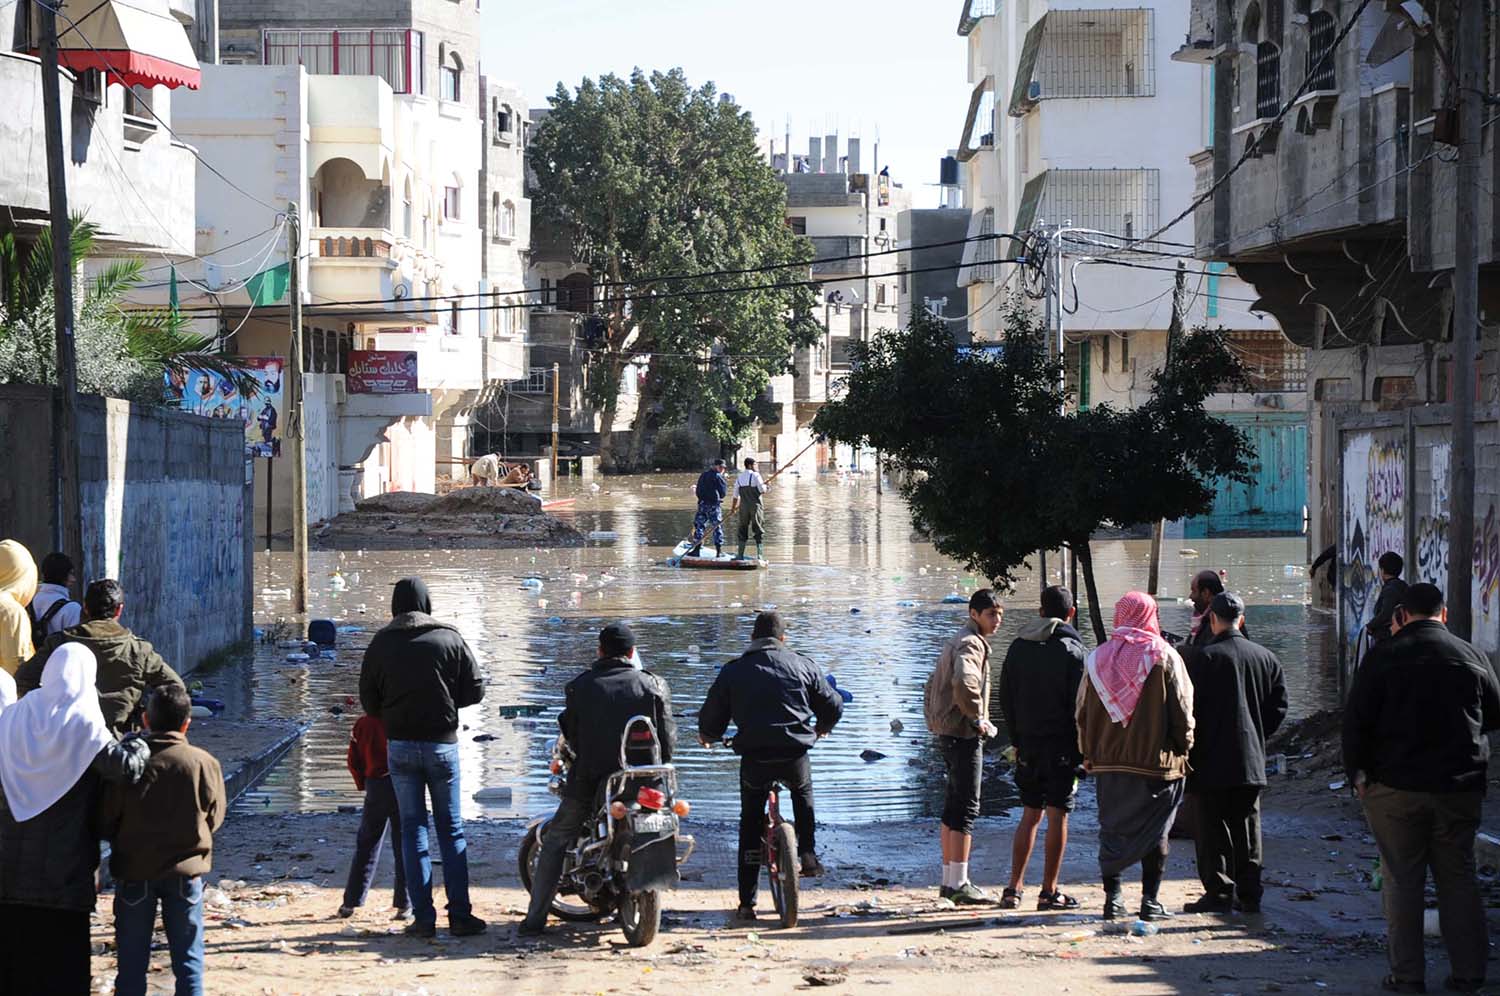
<point x="655" y="179"/>
<point x="995" y="467"/>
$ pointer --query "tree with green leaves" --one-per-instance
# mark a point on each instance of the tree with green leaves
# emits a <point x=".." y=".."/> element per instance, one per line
<point x="655" y="179"/>
<point x="122" y="352"/>
<point x="995" y="465"/>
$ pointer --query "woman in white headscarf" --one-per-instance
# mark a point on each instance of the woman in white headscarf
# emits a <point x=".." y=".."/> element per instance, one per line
<point x="55" y="753"/>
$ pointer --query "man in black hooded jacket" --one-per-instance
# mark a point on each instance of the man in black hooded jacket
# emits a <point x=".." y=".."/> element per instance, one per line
<point x="417" y="674"/>
<point x="598" y="705"/>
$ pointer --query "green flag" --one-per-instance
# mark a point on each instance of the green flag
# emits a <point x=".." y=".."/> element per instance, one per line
<point x="172" y="294"/>
<point x="269" y="286"/>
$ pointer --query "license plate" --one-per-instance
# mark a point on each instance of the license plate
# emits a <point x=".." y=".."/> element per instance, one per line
<point x="654" y="823"/>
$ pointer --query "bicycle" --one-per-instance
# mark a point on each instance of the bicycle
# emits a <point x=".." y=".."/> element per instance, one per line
<point x="779" y="855"/>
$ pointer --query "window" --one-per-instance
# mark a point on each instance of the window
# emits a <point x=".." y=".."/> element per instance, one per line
<point x="879" y="295"/>
<point x="451" y="78"/>
<point x="406" y="209"/>
<point x="882" y="224"/>
<point x="505" y="121"/>
<point x="1321" y="31"/>
<point x="91" y="87"/>
<point x="138" y="102"/>
<point x="451" y="204"/>
<point x="537" y="380"/>
<point x="393" y="54"/>
<point x="1104" y="352"/>
<point x="1267" y="80"/>
<point x="495" y="215"/>
<point x="1124" y="352"/>
<point x="453" y="318"/>
<point x="798" y="225"/>
<point x="508" y="220"/>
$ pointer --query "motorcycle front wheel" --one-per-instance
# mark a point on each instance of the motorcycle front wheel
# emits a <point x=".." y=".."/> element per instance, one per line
<point x="531" y="849"/>
<point x="640" y="917"/>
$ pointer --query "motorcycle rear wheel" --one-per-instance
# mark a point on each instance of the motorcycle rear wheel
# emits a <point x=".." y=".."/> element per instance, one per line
<point x="783" y="873"/>
<point x="526" y="859"/>
<point x="640" y="917"/>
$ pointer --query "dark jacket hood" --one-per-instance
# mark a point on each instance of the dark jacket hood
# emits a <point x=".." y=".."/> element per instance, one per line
<point x="411" y="596"/>
<point x="1040" y="630"/>
<point x="415" y="622"/>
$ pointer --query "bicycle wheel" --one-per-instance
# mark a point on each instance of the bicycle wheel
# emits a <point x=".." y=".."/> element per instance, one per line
<point x="781" y="866"/>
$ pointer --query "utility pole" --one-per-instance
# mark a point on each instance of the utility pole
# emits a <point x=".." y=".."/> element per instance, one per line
<point x="296" y="429"/>
<point x="1047" y="319"/>
<point x="1174" y="331"/>
<point x="1471" y="42"/>
<point x="1069" y="566"/>
<point x="67" y="505"/>
<point x="556" y="465"/>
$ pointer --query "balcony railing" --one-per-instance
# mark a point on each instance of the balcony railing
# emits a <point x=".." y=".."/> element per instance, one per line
<point x="352" y="244"/>
<point x="973" y="12"/>
<point x="1272" y="362"/>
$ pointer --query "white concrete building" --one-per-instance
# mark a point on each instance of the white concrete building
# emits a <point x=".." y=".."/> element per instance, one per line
<point x="1079" y="117"/>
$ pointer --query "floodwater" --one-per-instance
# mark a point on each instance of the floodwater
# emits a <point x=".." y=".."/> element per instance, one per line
<point x="861" y="594"/>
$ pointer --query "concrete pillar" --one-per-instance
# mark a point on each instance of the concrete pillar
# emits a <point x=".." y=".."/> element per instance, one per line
<point x="853" y="156"/>
<point x="815" y="155"/>
<point x="831" y="154"/>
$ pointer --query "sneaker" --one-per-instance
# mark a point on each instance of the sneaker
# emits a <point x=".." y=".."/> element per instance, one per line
<point x="528" y="929"/>
<point x="745" y="914"/>
<point x="1114" y="908"/>
<point x="345" y="912"/>
<point x="466" y="925"/>
<point x="1247" y="906"/>
<point x="420" y="928"/>
<point x="970" y="894"/>
<point x="1153" y="910"/>
<point x="404" y="914"/>
<point x="1208" y="903"/>
<point x="946" y="892"/>
<point x="811" y="866"/>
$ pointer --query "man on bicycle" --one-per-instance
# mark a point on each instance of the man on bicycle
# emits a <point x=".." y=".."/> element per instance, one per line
<point x="780" y="704"/>
<point x="597" y="706"/>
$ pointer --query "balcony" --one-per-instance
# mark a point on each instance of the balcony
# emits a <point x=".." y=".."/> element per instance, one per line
<point x="353" y="264"/>
<point x="979" y="123"/>
<point x="834" y="248"/>
<point x="973" y="12"/>
<point x="1123" y="202"/>
<point x="1086" y="54"/>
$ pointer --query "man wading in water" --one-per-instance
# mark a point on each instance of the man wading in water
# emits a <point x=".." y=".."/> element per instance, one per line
<point x="749" y="488"/>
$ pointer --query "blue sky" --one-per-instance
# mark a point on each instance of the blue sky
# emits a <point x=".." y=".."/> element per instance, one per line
<point x="893" y="65"/>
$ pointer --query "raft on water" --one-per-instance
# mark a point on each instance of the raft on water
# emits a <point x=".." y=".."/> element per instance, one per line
<point x="725" y="562"/>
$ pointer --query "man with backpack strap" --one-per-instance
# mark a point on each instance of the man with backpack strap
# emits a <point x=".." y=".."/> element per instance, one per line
<point x="53" y="609"/>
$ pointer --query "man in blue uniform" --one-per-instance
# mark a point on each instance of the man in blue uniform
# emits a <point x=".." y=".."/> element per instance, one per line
<point x="711" y="489"/>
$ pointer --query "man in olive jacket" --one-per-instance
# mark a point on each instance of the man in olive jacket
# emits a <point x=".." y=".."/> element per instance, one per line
<point x="1239" y="699"/>
<point x="128" y="665"/>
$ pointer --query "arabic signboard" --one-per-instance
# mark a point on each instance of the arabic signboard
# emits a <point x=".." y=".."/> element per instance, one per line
<point x="203" y="392"/>
<point x="381" y="371"/>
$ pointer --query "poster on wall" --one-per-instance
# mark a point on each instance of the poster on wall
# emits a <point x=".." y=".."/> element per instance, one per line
<point x="381" y="371"/>
<point x="203" y="392"/>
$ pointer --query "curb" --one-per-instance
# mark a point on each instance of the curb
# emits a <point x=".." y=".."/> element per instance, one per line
<point x="258" y="765"/>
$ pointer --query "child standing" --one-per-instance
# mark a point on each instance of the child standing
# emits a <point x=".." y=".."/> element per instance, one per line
<point x="367" y="763"/>
<point x="161" y="831"/>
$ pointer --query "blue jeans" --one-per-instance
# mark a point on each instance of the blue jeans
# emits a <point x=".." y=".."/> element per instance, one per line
<point x="182" y="916"/>
<point x="417" y="769"/>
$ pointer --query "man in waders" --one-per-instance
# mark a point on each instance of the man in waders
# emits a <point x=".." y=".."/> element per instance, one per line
<point x="749" y="488"/>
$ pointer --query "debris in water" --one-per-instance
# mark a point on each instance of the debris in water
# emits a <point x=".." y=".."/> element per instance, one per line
<point x="868" y="755"/>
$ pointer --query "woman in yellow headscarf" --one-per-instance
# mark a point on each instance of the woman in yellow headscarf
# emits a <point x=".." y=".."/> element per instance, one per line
<point x="17" y="586"/>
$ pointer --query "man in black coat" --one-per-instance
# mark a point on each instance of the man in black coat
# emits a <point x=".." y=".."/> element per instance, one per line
<point x="597" y="706"/>
<point x="1239" y="699"/>
<point x="417" y="674"/>
<point x="1392" y="592"/>
<point x="1416" y="752"/>
<point x="780" y="704"/>
<point x="1038" y="694"/>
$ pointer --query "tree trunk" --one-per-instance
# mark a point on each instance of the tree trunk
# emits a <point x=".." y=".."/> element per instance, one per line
<point x="641" y="427"/>
<point x="1081" y="551"/>
<point x="606" y="425"/>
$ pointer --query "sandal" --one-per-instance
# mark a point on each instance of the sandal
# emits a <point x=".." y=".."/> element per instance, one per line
<point x="1010" y="899"/>
<point x="1056" y="901"/>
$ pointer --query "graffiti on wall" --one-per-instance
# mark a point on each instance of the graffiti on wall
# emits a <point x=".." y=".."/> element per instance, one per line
<point x="1432" y="528"/>
<point x="1374" y="521"/>
<point x="1486" y="577"/>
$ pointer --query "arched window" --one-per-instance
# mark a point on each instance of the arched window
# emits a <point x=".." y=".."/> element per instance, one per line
<point x="451" y="76"/>
<point x="1250" y="24"/>
<point x="494" y="215"/>
<point x="1322" y="29"/>
<point x="1267" y="79"/>
<point x="453" y="200"/>
<point x="507" y="226"/>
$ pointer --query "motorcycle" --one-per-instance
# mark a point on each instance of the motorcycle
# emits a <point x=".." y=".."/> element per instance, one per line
<point x="627" y="855"/>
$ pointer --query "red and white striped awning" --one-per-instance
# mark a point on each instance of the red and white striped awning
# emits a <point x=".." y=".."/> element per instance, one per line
<point x="131" y="41"/>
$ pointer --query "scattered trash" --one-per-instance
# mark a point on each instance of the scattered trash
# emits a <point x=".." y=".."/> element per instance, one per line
<point x="1142" y="928"/>
<point x="1276" y="764"/>
<point x="297" y="658"/>
<point x="493" y="793"/>
<point x="954" y="599"/>
<point x="1332" y="836"/>
<point x="554" y="620"/>
<point x="1336" y="786"/>
<point x="834" y="684"/>
<point x="1076" y="936"/>
<point x="603" y="536"/>
<point x="825" y="980"/>
<point x="512" y="711"/>
<point x="897" y="726"/>
<point x="906" y="603"/>
<point x="484" y="738"/>
<point x="322" y="632"/>
<point x="868" y="755"/>
<point x="1187" y="552"/>
<point x="532" y="584"/>
<point x="854" y="611"/>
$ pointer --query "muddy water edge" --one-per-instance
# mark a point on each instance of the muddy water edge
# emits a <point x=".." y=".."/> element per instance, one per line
<point x="861" y="592"/>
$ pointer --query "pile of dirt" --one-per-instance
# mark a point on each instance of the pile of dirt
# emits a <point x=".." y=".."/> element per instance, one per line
<point x="398" y="502"/>
<point x="468" y="518"/>
<point x="486" y="501"/>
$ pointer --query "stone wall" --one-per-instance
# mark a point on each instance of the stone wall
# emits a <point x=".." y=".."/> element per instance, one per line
<point x="164" y="508"/>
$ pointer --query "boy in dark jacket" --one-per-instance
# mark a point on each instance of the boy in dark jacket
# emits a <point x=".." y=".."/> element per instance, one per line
<point x="162" y="845"/>
<point x="780" y="705"/>
<point x="367" y="763"/>
<point x="1239" y="699"/>
<point x="417" y="674"/>
<point x="599" y="703"/>
<point x="1392" y="591"/>
<point x="1038" y="690"/>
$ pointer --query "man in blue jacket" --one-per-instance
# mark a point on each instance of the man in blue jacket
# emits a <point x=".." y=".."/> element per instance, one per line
<point x="711" y="489"/>
<point x="780" y="704"/>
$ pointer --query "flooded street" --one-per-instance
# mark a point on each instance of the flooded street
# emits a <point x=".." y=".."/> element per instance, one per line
<point x="861" y="594"/>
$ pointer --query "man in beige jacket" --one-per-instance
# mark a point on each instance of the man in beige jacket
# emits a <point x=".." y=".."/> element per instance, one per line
<point x="957" y="708"/>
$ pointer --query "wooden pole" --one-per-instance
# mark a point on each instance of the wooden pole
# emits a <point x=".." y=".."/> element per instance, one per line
<point x="1174" y="332"/>
<point x="1153" y="577"/>
<point x="67" y="511"/>
<point x="270" y="479"/>
<point x="556" y="462"/>
<point x="296" y="431"/>
<point x="1471" y="43"/>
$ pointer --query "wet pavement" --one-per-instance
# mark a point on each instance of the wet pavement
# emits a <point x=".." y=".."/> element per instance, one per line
<point x="862" y="595"/>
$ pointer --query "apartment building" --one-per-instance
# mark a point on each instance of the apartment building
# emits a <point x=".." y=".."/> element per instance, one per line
<point x="1079" y="119"/>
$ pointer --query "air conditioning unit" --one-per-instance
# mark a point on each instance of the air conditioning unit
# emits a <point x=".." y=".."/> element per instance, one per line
<point x="1034" y="90"/>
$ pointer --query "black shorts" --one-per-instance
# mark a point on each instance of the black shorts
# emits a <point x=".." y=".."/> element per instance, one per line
<point x="1047" y="778"/>
<point x="964" y="757"/>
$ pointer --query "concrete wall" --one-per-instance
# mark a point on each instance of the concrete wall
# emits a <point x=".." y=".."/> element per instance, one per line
<point x="164" y="506"/>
